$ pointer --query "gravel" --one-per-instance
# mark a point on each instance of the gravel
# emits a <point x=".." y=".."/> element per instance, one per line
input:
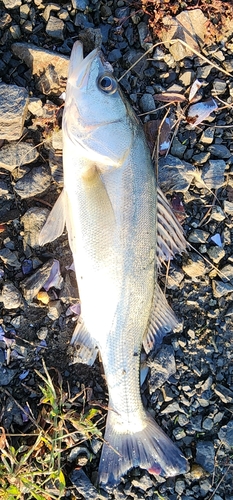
<point x="188" y="389"/>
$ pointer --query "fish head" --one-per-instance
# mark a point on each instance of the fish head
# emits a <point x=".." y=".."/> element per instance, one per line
<point x="96" y="115"/>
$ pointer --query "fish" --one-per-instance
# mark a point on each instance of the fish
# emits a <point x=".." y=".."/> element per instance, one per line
<point x="120" y="230"/>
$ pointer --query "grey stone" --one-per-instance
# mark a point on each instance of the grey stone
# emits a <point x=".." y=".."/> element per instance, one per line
<point x="226" y="434"/>
<point x="219" y="150"/>
<point x="11" y="296"/>
<point x="207" y="136"/>
<point x="219" y="87"/>
<point x="174" y="278"/>
<point x="205" y="455"/>
<point x="189" y="26"/>
<point x="220" y="289"/>
<point x="13" y="110"/>
<point x="10" y="258"/>
<point x="207" y="424"/>
<point x="50" y="68"/>
<point x="228" y="207"/>
<point x="33" y="221"/>
<point x="33" y="183"/>
<point x="114" y="55"/>
<point x="186" y="78"/>
<point x="178" y="149"/>
<point x="179" y="486"/>
<point x="35" y="106"/>
<point x="144" y="36"/>
<point x="195" y="266"/>
<point x="216" y="253"/>
<point x="161" y="368"/>
<point x="213" y="174"/>
<point x="175" y="174"/>
<point x="227" y="271"/>
<point x="203" y="71"/>
<point x="80" y="4"/>
<point x="198" y="236"/>
<point x="55" y="28"/>
<point x="144" y="483"/>
<point x="147" y="103"/>
<point x="12" y="4"/>
<point x="225" y="394"/>
<point x="55" y="309"/>
<point x="16" y="154"/>
<point x="217" y="214"/>
<point x="6" y="375"/>
<point x="33" y="284"/>
<point x="131" y="57"/>
<point x="201" y="158"/>
<point x="84" y="486"/>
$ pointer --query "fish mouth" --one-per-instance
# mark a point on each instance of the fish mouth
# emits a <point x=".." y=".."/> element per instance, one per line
<point x="80" y="67"/>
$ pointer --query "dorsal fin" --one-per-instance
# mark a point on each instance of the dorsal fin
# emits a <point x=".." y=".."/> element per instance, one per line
<point x="170" y="238"/>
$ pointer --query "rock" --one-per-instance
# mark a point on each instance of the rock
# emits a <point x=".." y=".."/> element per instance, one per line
<point x="219" y="86"/>
<point x="12" y="4"/>
<point x="198" y="236"/>
<point x="201" y="158"/>
<point x="178" y="149"/>
<point x="84" y="485"/>
<point x="220" y="289"/>
<point x="161" y="367"/>
<point x="49" y="68"/>
<point x="217" y="214"/>
<point x="6" y="375"/>
<point x="33" y="221"/>
<point x="55" y="28"/>
<point x="10" y="258"/>
<point x="80" y="4"/>
<point x="13" y="110"/>
<point x="228" y="207"/>
<point x="225" y="394"/>
<point x="195" y="266"/>
<point x="5" y="20"/>
<point x="175" y="174"/>
<point x="227" y="271"/>
<point x="32" y="285"/>
<point x="174" y="278"/>
<point x="213" y="174"/>
<point x="16" y="154"/>
<point x="226" y="434"/>
<point x="147" y="103"/>
<point x="35" y="106"/>
<point x="189" y="26"/>
<point x="216" y="254"/>
<point x="207" y="136"/>
<point x="144" y="483"/>
<point x="33" y="183"/>
<point x="55" y="309"/>
<point x="205" y="455"/>
<point x="11" y="296"/>
<point x="130" y="57"/>
<point x="144" y="36"/>
<point x="207" y="423"/>
<point x="219" y="150"/>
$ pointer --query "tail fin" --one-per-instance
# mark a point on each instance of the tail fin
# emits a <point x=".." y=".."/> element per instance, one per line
<point x="150" y="449"/>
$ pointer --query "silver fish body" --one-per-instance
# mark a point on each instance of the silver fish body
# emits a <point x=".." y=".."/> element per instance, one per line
<point x="120" y="228"/>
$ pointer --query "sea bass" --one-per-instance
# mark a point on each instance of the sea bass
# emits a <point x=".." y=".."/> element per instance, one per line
<point x="120" y="229"/>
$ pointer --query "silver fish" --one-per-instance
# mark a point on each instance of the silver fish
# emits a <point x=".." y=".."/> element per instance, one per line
<point x="120" y="229"/>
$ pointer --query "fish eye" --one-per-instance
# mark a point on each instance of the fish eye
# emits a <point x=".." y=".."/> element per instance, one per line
<point x="107" y="84"/>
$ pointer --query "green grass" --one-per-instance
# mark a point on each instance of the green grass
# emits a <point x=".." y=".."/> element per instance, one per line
<point x="35" y="468"/>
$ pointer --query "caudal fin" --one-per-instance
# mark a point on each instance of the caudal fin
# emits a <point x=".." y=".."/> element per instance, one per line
<point x="150" y="449"/>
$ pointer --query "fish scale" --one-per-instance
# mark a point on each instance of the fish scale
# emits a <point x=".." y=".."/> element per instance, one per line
<point x="120" y="229"/>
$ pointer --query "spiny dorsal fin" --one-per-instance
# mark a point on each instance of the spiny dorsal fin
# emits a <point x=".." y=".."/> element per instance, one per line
<point x="170" y="238"/>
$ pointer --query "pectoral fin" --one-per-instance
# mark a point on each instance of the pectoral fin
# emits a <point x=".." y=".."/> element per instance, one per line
<point x="162" y="320"/>
<point x="55" y="223"/>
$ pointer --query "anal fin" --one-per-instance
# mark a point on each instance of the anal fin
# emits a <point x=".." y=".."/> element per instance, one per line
<point x="85" y="350"/>
<point x="162" y="320"/>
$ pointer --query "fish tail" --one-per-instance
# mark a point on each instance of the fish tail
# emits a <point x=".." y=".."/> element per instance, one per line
<point x="149" y="448"/>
